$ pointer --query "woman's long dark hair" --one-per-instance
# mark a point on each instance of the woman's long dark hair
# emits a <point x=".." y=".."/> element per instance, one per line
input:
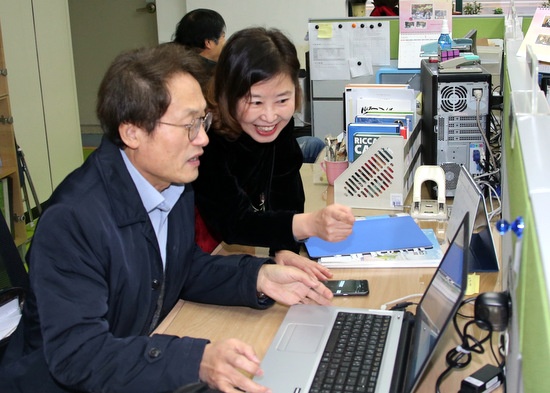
<point x="249" y="56"/>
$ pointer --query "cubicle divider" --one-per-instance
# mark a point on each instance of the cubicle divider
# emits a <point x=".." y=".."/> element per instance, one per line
<point x="526" y="194"/>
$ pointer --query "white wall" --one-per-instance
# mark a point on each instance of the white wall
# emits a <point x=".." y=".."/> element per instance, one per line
<point x="100" y="30"/>
<point x="169" y="13"/>
<point x="39" y="59"/>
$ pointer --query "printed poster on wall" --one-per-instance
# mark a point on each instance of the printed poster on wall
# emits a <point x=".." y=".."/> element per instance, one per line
<point x="538" y="36"/>
<point x="420" y="23"/>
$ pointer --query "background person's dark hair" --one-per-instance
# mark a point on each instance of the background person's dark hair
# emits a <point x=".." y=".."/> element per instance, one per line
<point x="197" y="26"/>
<point x="134" y="89"/>
<point x="250" y="56"/>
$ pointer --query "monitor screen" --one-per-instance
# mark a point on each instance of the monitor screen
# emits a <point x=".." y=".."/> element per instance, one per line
<point x="472" y="34"/>
<point x="439" y="303"/>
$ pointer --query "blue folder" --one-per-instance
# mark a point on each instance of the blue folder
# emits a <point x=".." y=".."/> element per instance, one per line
<point x="373" y="234"/>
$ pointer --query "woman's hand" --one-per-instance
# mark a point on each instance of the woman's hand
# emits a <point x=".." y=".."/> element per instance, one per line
<point x="333" y="223"/>
<point x="289" y="258"/>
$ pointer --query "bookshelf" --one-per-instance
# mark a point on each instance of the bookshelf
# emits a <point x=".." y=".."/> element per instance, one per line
<point x="9" y="171"/>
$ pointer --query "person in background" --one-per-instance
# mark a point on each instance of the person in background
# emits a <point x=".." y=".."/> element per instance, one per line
<point x="204" y="31"/>
<point x="385" y="8"/>
<point x="311" y="147"/>
<point x="249" y="190"/>
<point x="114" y="251"/>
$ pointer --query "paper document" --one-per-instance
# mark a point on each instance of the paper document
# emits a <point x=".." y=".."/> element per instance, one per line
<point x="10" y="314"/>
<point x="373" y="234"/>
<point x="420" y="23"/>
<point x="415" y="257"/>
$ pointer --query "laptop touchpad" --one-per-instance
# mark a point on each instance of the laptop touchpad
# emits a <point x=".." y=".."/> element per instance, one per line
<point x="301" y="338"/>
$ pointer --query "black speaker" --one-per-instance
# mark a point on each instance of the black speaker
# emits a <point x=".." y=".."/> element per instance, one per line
<point x="493" y="309"/>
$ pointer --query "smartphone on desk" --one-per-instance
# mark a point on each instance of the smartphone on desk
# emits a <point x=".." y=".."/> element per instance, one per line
<point x="348" y="287"/>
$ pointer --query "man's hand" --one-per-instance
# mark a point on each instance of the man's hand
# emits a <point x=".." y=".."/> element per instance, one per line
<point x="290" y="285"/>
<point x="223" y="364"/>
<point x="289" y="258"/>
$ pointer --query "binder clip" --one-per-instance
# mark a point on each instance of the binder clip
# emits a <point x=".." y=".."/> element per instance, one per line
<point x="429" y="209"/>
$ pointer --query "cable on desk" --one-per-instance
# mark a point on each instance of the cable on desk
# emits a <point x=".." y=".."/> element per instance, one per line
<point x="401" y="299"/>
<point x="460" y="356"/>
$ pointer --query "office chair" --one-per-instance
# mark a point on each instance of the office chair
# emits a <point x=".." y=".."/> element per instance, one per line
<point x="14" y="279"/>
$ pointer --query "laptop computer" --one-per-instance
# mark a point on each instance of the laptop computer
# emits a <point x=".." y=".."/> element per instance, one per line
<point x="298" y="347"/>
<point x="469" y="198"/>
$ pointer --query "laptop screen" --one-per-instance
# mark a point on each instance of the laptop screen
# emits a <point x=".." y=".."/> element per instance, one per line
<point x="469" y="198"/>
<point x="439" y="303"/>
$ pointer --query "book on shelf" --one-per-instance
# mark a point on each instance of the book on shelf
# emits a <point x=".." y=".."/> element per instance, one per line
<point x="406" y="258"/>
<point x="363" y="141"/>
<point x="406" y="120"/>
<point x="360" y="99"/>
<point x="361" y="136"/>
<point x="538" y="36"/>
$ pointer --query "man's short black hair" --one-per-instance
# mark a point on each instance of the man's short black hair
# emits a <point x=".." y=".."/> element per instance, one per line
<point x="197" y="26"/>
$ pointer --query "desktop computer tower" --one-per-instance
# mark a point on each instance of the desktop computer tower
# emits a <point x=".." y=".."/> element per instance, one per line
<point x="455" y="110"/>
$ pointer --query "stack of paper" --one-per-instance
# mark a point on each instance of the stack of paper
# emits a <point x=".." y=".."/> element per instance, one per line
<point x="415" y="257"/>
<point x="10" y="314"/>
<point x="377" y="110"/>
<point x="360" y="99"/>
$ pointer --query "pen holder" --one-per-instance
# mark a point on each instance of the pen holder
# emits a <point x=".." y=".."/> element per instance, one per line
<point x="333" y="169"/>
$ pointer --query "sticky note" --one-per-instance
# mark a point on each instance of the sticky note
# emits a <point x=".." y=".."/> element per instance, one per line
<point x="325" y="30"/>
<point x="473" y="284"/>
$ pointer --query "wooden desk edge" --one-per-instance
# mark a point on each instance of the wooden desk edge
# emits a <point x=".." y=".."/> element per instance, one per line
<point x="165" y="324"/>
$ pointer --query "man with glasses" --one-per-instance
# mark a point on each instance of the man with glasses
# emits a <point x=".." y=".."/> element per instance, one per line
<point x="114" y="251"/>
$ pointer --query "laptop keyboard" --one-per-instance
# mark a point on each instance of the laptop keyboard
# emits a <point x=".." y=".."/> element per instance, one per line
<point x="352" y="356"/>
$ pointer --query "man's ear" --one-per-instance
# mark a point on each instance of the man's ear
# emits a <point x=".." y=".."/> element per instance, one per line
<point x="130" y="135"/>
<point x="209" y="44"/>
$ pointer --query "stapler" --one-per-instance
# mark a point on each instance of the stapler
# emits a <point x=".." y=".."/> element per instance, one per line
<point x="466" y="63"/>
<point x="428" y="208"/>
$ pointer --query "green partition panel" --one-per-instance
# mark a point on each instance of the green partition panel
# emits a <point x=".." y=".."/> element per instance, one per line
<point x="531" y="306"/>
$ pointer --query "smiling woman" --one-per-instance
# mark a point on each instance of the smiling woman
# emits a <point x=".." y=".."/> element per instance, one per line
<point x="249" y="189"/>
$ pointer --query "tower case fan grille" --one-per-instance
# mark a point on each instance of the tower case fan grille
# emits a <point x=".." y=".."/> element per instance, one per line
<point x="454" y="98"/>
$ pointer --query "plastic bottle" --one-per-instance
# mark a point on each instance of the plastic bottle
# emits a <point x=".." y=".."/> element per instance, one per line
<point x="445" y="42"/>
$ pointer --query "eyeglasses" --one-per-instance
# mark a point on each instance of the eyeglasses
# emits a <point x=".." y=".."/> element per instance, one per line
<point x="194" y="127"/>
